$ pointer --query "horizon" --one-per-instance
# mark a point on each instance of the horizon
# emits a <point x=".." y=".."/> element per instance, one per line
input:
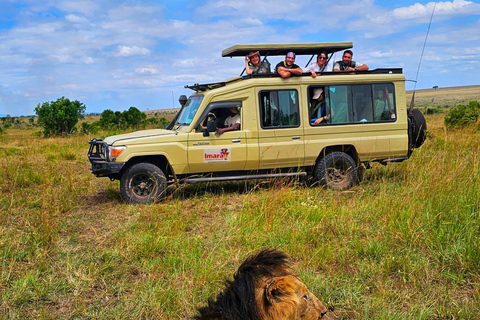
<point x="142" y="54"/>
<point x="178" y="108"/>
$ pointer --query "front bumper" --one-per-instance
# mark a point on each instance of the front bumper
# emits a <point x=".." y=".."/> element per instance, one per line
<point x="99" y="162"/>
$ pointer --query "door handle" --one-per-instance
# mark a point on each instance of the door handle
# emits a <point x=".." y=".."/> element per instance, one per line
<point x="236" y="140"/>
<point x="296" y="137"/>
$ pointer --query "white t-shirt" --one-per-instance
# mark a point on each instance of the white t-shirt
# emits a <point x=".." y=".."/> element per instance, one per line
<point x="315" y="67"/>
<point x="231" y="120"/>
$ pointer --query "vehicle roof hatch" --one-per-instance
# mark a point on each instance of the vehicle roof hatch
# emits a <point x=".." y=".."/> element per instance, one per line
<point x="283" y="49"/>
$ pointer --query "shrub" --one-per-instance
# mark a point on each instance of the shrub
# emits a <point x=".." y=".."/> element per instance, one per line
<point x="89" y="128"/>
<point x="59" y="117"/>
<point x="463" y="115"/>
<point x="432" y="111"/>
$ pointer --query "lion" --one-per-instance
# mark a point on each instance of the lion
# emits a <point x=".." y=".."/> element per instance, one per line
<point x="264" y="287"/>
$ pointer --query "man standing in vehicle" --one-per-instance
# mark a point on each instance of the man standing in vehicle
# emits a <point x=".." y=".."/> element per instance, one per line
<point x="287" y="67"/>
<point x="346" y="64"/>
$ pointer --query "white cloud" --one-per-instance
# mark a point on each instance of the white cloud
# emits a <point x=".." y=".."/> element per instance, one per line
<point x="87" y="60"/>
<point x="447" y="8"/>
<point x="75" y="19"/>
<point x="146" y="71"/>
<point x="124" y="51"/>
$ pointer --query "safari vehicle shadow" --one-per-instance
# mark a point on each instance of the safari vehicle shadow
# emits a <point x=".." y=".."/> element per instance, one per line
<point x="188" y="191"/>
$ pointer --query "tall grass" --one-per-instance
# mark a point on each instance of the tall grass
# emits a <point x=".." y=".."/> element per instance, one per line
<point x="404" y="244"/>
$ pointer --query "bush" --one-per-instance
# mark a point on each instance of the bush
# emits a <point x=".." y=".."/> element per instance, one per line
<point x="463" y="115"/>
<point x="89" y="128"/>
<point x="133" y="118"/>
<point x="59" y="117"/>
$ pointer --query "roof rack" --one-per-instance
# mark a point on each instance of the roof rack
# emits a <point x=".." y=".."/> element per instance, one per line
<point x="206" y="86"/>
<point x="209" y="86"/>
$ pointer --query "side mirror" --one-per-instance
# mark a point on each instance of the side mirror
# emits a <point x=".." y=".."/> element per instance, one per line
<point x="211" y="126"/>
<point x="183" y="99"/>
<point x="206" y="133"/>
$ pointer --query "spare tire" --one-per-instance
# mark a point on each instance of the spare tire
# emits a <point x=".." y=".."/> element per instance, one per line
<point x="418" y="129"/>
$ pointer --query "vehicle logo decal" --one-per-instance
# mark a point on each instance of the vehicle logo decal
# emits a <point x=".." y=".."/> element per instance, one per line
<point x="216" y="155"/>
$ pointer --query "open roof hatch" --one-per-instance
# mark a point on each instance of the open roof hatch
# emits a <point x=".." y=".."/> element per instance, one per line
<point x="266" y="50"/>
<point x="283" y="49"/>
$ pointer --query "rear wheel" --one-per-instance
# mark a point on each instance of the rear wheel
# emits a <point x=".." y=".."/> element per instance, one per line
<point x="337" y="170"/>
<point x="143" y="183"/>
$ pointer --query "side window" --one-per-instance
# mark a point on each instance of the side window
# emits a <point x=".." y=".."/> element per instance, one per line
<point x="279" y="109"/>
<point x="362" y="104"/>
<point x="218" y="115"/>
<point x="338" y="102"/>
<point x="384" y="102"/>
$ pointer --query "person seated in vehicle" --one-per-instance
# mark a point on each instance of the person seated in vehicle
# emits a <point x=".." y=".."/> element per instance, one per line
<point x="232" y="122"/>
<point x="321" y="65"/>
<point x="318" y="107"/>
<point x="346" y="64"/>
<point x="379" y="106"/>
<point x="288" y="67"/>
<point x="254" y="66"/>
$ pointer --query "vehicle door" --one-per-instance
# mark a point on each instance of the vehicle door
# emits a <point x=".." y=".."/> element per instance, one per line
<point x="281" y="143"/>
<point x="208" y="152"/>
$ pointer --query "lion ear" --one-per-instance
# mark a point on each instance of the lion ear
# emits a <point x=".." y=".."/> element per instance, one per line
<point x="275" y="289"/>
<point x="271" y="291"/>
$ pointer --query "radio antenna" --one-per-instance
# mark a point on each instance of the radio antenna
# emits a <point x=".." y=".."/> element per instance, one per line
<point x="420" y="62"/>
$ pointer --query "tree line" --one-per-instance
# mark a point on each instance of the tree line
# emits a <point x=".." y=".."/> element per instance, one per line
<point x="60" y="118"/>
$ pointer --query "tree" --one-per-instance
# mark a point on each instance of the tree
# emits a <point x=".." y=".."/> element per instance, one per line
<point x="134" y="118"/>
<point x="109" y="120"/>
<point x="59" y="117"/>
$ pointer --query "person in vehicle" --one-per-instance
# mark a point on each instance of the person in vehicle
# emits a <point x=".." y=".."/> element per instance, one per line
<point x="321" y="65"/>
<point x="288" y="67"/>
<point x="318" y="107"/>
<point x="347" y="64"/>
<point x="232" y="122"/>
<point x="254" y="66"/>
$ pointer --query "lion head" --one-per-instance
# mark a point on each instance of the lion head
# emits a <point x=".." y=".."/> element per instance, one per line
<point x="264" y="287"/>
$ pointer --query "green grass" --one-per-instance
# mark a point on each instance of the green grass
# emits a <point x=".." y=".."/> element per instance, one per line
<point x="404" y="244"/>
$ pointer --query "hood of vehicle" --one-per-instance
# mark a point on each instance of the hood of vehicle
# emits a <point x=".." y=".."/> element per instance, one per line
<point x="125" y="138"/>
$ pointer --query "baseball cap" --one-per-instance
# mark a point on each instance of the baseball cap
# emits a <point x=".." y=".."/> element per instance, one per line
<point x="317" y="92"/>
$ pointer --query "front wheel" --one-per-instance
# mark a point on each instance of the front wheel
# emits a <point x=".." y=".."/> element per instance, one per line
<point x="143" y="183"/>
<point x="337" y="170"/>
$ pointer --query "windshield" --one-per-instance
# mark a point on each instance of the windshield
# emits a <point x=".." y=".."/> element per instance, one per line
<point x="189" y="110"/>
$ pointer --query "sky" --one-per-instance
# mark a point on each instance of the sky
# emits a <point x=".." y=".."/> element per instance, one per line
<point x="118" y="54"/>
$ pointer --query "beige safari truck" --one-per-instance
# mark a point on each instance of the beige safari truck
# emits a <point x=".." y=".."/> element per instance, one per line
<point x="364" y="115"/>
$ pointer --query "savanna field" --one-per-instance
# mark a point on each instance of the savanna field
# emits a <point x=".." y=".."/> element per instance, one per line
<point x="403" y="244"/>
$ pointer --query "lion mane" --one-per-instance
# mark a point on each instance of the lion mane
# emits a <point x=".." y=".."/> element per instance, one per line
<point x="263" y="287"/>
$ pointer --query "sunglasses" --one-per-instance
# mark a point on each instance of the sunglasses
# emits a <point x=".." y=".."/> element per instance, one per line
<point x="322" y="58"/>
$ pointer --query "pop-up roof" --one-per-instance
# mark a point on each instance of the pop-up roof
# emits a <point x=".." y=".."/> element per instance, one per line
<point x="283" y="49"/>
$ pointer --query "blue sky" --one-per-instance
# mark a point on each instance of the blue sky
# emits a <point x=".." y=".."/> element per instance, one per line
<point x="117" y="54"/>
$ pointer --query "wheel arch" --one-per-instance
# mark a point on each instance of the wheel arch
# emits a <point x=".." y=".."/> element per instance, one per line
<point x="349" y="149"/>
<point x="160" y="161"/>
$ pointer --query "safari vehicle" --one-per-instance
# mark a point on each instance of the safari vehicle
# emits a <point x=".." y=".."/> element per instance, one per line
<point x="367" y="121"/>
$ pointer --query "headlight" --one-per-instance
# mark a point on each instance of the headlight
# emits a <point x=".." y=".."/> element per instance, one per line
<point x="114" y="152"/>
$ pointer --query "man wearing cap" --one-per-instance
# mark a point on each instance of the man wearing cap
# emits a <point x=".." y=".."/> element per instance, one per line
<point x="287" y="67"/>
<point x="319" y="107"/>
<point x="253" y="65"/>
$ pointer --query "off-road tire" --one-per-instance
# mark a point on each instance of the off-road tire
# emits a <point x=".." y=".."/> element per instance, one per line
<point x="143" y="183"/>
<point x="337" y="170"/>
<point x="418" y="128"/>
